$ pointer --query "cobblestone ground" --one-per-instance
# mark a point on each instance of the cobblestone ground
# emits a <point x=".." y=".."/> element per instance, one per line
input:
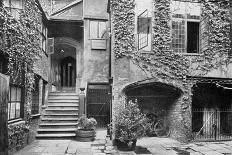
<point x="145" y="146"/>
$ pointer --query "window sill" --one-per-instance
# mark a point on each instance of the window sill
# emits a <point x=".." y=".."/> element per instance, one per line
<point x="97" y="38"/>
<point x="16" y="121"/>
<point x="191" y="54"/>
<point x="145" y="52"/>
<point x="35" y="116"/>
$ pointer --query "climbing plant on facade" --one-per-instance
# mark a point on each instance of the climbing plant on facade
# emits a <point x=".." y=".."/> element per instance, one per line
<point x="164" y="64"/>
<point x="21" y="42"/>
<point x="124" y="23"/>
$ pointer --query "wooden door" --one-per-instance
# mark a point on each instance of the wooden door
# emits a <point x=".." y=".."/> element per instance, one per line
<point x="4" y="89"/>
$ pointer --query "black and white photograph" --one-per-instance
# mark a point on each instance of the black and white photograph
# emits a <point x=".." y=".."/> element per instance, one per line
<point x="115" y="77"/>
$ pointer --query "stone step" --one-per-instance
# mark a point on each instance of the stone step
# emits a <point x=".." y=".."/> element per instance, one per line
<point x="63" y="94"/>
<point x="63" y="97"/>
<point x="63" y="135"/>
<point x="59" y="120"/>
<point x="62" y="115"/>
<point x="62" y="107"/>
<point x="64" y="101"/>
<point x="61" y="111"/>
<point x="59" y="130"/>
<point x="57" y="125"/>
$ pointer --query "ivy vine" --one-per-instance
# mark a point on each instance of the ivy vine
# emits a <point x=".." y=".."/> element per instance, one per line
<point x="21" y="42"/>
<point x="162" y="63"/>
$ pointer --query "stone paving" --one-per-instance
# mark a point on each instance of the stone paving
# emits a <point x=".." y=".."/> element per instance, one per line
<point x="145" y="146"/>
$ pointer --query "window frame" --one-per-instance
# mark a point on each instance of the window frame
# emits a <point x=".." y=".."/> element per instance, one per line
<point x="98" y="30"/>
<point x="186" y="20"/>
<point x="19" y="102"/>
<point x="43" y="33"/>
<point x="144" y="14"/>
<point x="36" y="97"/>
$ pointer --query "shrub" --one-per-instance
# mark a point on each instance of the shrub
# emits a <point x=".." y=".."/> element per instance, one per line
<point x="87" y="123"/>
<point x="130" y="123"/>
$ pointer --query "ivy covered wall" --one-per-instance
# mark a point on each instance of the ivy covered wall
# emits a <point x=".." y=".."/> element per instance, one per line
<point x="162" y="63"/>
<point x="20" y="38"/>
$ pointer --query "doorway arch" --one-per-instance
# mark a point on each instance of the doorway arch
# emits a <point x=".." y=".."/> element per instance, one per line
<point x="65" y="63"/>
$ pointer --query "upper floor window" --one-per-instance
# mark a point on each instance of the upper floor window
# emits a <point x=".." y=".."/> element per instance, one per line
<point x="143" y="29"/>
<point x="97" y="29"/>
<point x="43" y="36"/>
<point x="14" y="6"/>
<point x="185" y="27"/>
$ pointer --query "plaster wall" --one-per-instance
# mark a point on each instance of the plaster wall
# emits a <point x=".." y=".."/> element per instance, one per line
<point x="95" y="62"/>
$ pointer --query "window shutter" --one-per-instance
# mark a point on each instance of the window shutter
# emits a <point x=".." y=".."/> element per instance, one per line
<point x="50" y="46"/>
<point x="204" y="39"/>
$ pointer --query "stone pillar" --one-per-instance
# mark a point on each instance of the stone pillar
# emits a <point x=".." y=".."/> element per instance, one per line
<point x="82" y="105"/>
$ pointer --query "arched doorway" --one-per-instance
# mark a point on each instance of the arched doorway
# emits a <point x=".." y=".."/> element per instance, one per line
<point x="68" y="72"/>
<point x="157" y="101"/>
<point x="65" y="65"/>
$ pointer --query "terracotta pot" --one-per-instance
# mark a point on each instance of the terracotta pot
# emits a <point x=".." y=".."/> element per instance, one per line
<point x="127" y="145"/>
<point x="85" y="135"/>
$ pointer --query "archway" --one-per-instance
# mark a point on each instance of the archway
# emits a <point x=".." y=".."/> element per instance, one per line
<point x="157" y="101"/>
<point x="65" y="64"/>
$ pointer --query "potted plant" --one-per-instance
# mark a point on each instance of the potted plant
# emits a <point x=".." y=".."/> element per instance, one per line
<point x="86" y="129"/>
<point x="130" y="124"/>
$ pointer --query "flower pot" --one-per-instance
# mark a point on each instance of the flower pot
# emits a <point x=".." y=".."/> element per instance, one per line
<point x="126" y="145"/>
<point x="85" y="135"/>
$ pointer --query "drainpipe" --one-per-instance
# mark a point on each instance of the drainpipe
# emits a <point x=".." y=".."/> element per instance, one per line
<point x="110" y="74"/>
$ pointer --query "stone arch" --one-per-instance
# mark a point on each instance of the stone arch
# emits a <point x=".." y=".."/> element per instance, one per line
<point x="78" y="49"/>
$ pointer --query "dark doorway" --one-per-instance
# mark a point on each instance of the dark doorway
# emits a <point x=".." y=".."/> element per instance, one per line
<point x="68" y="72"/>
<point x="192" y="37"/>
<point x="211" y="111"/>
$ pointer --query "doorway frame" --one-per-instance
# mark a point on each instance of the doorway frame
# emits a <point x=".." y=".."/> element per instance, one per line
<point x="77" y="45"/>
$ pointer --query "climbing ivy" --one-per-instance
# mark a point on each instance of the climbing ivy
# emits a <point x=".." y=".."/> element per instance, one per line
<point x="124" y="23"/>
<point x="20" y="41"/>
<point x="217" y="32"/>
<point x="162" y="63"/>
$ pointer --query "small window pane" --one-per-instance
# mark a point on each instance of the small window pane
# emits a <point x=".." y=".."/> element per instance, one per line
<point x="13" y="94"/>
<point x="18" y="94"/>
<point x="12" y="111"/>
<point x="93" y="29"/>
<point x="6" y="3"/>
<point x="102" y="29"/>
<point x="16" y="4"/>
<point x="18" y="110"/>
<point x="9" y="111"/>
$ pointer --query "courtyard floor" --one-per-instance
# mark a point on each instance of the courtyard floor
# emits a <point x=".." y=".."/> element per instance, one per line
<point x="145" y="146"/>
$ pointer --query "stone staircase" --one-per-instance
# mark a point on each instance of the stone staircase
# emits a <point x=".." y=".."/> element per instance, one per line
<point x="60" y="117"/>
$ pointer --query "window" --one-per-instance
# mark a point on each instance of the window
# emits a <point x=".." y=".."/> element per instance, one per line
<point x="43" y="37"/>
<point x="192" y="37"/>
<point x="143" y="27"/>
<point x="185" y="26"/>
<point x="97" y="30"/>
<point x="15" y="102"/>
<point x="178" y="35"/>
<point x="35" y="98"/>
<point x="14" y="6"/>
